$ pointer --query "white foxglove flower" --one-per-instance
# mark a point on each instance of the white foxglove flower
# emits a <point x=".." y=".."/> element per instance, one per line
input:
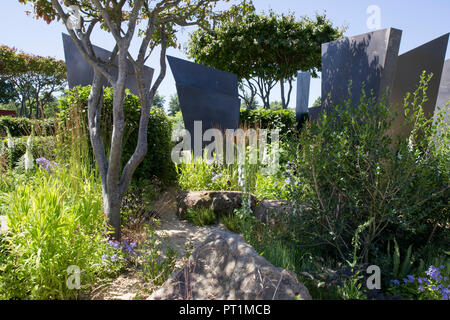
<point x="10" y="139"/>
<point x="29" y="161"/>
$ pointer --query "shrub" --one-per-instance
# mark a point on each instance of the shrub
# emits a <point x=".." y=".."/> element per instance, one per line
<point x="350" y="173"/>
<point x="284" y="119"/>
<point x="19" y="127"/>
<point x="157" y="162"/>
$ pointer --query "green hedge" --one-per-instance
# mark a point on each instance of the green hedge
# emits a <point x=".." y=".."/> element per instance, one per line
<point x="157" y="162"/>
<point x="20" y="127"/>
<point x="269" y="119"/>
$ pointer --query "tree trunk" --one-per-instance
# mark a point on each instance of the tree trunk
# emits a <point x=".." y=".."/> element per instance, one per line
<point x="112" y="204"/>
<point x="283" y="98"/>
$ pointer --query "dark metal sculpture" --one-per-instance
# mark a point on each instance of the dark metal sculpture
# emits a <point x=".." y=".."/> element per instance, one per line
<point x="367" y="60"/>
<point x="80" y="72"/>
<point x="303" y="86"/>
<point x="207" y="95"/>
<point x="444" y="88"/>
<point x="428" y="57"/>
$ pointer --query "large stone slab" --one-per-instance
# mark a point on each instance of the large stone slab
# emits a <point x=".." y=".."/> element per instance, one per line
<point x="80" y="72"/>
<point x="303" y="87"/>
<point x="224" y="267"/>
<point x="221" y="202"/>
<point x="207" y="95"/>
<point x="429" y="57"/>
<point x="369" y="59"/>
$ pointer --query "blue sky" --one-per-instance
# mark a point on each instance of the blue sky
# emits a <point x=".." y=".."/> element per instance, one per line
<point x="421" y="21"/>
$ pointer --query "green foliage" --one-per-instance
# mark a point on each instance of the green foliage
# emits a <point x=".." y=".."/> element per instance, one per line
<point x="201" y="216"/>
<point x="232" y="222"/>
<point x="158" y="101"/>
<point x="41" y="147"/>
<point x="157" y="162"/>
<point x="351" y="171"/>
<point x="34" y="78"/>
<point x="174" y="105"/>
<point x="55" y="221"/>
<point x="352" y="289"/>
<point x="7" y="92"/>
<point x="317" y="102"/>
<point x="23" y="127"/>
<point x="263" y="49"/>
<point x="270" y="119"/>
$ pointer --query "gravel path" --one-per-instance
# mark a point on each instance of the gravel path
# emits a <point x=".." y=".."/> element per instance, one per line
<point x="172" y="232"/>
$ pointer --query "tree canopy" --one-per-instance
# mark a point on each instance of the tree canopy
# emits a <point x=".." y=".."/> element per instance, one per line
<point x="34" y="78"/>
<point x="264" y="49"/>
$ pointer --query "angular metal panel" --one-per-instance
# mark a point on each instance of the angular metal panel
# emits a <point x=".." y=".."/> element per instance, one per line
<point x="369" y="59"/>
<point x="195" y="75"/>
<point x="80" y="72"/>
<point x="444" y="95"/>
<point x="428" y="57"/>
<point x="206" y="95"/>
<point x="303" y="86"/>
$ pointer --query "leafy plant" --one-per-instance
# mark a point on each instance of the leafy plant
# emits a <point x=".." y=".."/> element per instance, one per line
<point x="351" y="171"/>
<point x="201" y="216"/>
<point x="55" y="221"/>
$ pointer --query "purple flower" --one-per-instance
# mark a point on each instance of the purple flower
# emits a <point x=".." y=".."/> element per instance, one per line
<point x="396" y="282"/>
<point x="128" y="247"/>
<point x="217" y="176"/>
<point x="287" y="181"/>
<point x="104" y="257"/>
<point x="114" y="258"/>
<point x="410" y="278"/>
<point x="46" y="164"/>
<point x="421" y="288"/>
<point x="434" y="273"/>
<point x="114" y="244"/>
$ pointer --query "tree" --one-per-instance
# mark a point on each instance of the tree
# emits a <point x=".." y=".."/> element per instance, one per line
<point x="317" y="102"/>
<point x="158" y="101"/>
<point x="174" y="105"/>
<point x="264" y="50"/>
<point x="34" y="78"/>
<point x="7" y="92"/>
<point x="159" y="20"/>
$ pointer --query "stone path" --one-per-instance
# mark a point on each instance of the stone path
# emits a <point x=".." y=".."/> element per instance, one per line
<point x="172" y="232"/>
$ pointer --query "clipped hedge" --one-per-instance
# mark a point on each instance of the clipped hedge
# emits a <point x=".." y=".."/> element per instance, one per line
<point x="20" y="127"/>
<point x="157" y="162"/>
<point x="269" y="119"/>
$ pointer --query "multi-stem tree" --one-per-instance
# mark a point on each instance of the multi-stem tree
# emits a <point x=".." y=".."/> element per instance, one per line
<point x="156" y="22"/>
